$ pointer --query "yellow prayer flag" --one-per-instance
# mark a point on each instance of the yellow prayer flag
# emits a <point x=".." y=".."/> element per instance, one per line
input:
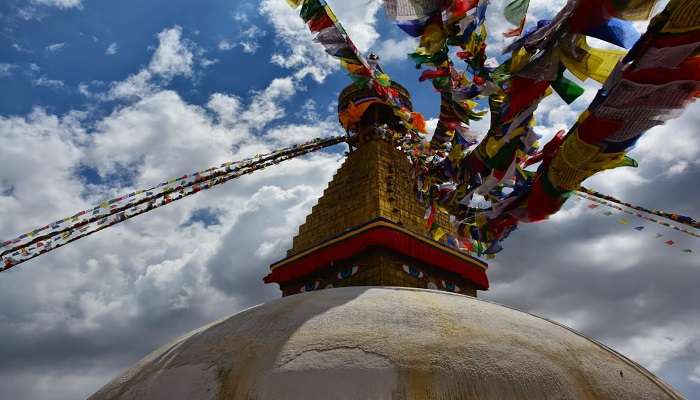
<point x="593" y="63"/>
<point x="519" y="59"/>
<point x="438" y="233"/>
<point x="433" y="39"/>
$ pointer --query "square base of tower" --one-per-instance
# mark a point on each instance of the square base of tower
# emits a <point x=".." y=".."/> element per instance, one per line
<point x="380" y="253"/>
<point x="377" y="266"/>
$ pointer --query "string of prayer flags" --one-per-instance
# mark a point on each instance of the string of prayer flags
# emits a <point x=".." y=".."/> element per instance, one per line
<point x="682" y="219"/>
<point x="597" y="201"/>
<point x="43" y="240"/>
<point x="321" y="20"/>
<point x="449" y="174"/>
<point x="639" y="228"/>
<point x="630" y="103"/>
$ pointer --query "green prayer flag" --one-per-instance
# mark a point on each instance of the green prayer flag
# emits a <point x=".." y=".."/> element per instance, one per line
<point x="567" y="89"/>
<point x="629" y="162"/>
<point x="310" y="9"/>
<point x="516" y="10"/>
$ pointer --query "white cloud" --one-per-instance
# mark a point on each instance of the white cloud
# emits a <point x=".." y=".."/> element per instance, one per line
<point x="240" y="17"/>
<point x="226" y="107"/>
<point x="395" y="50"/>
<point x="6" y="69"/>
<point x="265" y="106"/>
<point x="60" y="3"/>
<point x="247" y="40"/>
<point x="21" y="49"/>
<point x="138" y="278"/>
<point x="137" y="85"/>
<point x="695" y="375"/>
<point x="658" y="345"/>
<point x="225" y="45"/>
<point x="308" y="58"/>
<point x="112" y="49"/>
<point x="46" y="82"/>
<point x="56" y="47"/>
<point x="173" y="56"/>
<point x="250" y="47"/>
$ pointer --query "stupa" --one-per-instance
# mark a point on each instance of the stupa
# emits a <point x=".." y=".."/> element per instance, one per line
<point x="374" y="308"/>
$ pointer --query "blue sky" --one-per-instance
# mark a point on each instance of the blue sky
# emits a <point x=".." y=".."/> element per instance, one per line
<point x="71" y="46"/>
<point x="98" y="98"/>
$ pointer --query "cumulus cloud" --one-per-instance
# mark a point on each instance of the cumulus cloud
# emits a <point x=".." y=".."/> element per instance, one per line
<point x="226" y="45"/>
<point x="56" y="47"/>
<point x="395" y="50"/>
<point x="60" y="3"/>
<point x="6" y="69"/>
<point x="46" y="82"/>
<point x="307" y="58"/>
<point x="153" y="277"/>
<point x="112" y="49"/>
<point x="247" y="40"/>
<point x="173" y="57"/>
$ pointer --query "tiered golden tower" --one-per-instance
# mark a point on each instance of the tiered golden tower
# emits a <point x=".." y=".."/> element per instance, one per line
<point x="368" y="228"/>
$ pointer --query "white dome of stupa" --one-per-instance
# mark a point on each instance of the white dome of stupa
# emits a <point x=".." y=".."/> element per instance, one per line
<point x="385" y="343"/>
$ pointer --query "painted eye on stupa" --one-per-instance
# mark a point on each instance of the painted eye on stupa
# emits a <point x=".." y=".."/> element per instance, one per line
<point x="347" y="272"/>
<point x="416" y="273"/>
<point x="310" y="286"/>
<point x="450" y="286"/>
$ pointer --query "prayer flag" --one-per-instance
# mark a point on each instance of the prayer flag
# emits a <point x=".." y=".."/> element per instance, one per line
<point x="567" y="89"/>
<point x="438" y="233"/>
<point x="310" y="9"/>
<point x="515" y="11"/>
<point x="616" y="31"/>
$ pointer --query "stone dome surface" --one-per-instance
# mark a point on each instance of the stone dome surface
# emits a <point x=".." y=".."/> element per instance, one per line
<point x="384" y="343"/>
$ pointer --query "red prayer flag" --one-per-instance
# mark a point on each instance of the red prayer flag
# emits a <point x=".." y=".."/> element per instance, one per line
<point x="432" y="74"/>
<point x="320" y="22"/>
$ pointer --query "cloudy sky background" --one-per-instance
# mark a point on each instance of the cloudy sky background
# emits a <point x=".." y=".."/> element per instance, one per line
<point x="100" y="98"/>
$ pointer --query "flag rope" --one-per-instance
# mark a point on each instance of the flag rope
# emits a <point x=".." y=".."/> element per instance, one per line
<point x="29" y="246"/>
<point x="637" y="214"/>
<point x="678" y="218"/>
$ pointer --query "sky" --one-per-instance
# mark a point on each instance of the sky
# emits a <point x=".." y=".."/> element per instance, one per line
<point x="100" y="98"/>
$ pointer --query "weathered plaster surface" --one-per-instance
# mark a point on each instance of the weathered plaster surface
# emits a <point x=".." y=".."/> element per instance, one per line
<point x="384" y="343"/>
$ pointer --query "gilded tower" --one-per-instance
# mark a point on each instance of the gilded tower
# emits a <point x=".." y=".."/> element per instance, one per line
<point x="368" y="228"/>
